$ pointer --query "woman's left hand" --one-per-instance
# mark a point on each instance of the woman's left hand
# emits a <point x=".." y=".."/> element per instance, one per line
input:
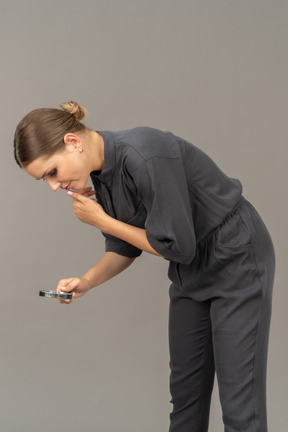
<point x="88" y="210"/>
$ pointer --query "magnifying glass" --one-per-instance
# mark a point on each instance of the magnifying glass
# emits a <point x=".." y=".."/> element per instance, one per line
<point x="55" y="294"/>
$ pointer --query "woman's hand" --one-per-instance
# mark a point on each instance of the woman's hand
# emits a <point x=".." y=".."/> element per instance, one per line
<point x="88" y="191"/>
<point x="77" y="286"/>
<point x="110" y="265"/>
<point x="88" y="210"/>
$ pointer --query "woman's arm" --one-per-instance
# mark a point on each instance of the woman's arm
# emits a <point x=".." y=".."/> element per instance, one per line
<point x="89" y="211"/>
<point x="109" y="266"/>
<point x="133" y="235"/>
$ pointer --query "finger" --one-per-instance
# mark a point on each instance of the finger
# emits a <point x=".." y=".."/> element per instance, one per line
<point x="74" y="283"/>
<point x="62" y="284"/>
<point x="77" y="196"/>
<point x="61" y="301"/>
<point x="88" y="194"/>
<point x="66" y="301"/>
<point x="82" y="191"/>
<point x="86" y="189"/>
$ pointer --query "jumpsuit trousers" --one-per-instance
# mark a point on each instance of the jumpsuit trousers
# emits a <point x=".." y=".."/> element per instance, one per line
<point x="219" y="318"/>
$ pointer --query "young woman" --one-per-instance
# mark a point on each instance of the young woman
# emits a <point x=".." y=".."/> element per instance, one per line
<point x="159" y="193"/>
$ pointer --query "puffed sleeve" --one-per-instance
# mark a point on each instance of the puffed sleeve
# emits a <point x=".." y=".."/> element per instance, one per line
<point x="113" y="244"/>
<point x="162" y="187"/>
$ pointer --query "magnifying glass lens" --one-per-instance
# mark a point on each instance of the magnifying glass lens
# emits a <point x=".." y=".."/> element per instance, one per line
<point x="55" y="294"/>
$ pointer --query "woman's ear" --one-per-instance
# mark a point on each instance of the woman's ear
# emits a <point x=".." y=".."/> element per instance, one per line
<point x="72" y="139"/>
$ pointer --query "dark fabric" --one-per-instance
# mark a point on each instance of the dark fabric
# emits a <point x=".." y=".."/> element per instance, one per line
<point x="222" y="265"/>
<point x="191" y="363"/>
<point x="157" y="181"/>
<point x="223" y="317"/>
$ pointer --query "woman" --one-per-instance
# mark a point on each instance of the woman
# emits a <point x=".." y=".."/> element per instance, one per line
<point x="158" y="193"/>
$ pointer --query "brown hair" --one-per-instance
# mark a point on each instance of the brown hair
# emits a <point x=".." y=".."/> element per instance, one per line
<point x="41" y="132"/>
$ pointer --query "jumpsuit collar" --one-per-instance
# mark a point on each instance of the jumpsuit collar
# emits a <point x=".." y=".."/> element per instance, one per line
<point x="109" y="158"/>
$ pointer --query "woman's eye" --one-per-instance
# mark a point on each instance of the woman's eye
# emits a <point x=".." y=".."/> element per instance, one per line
<point x="53" y="173"/>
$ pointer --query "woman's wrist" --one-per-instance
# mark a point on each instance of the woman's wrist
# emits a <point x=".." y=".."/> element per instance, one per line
<point x="106" y="224"/>
<point x="88" y="282"/>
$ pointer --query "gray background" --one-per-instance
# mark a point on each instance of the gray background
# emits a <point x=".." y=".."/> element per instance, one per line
<point x="213" y="72"/>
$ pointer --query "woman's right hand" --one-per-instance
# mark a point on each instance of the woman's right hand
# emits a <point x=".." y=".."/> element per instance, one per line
<point x="110" y="265"/>
<point x="77" y="286"/>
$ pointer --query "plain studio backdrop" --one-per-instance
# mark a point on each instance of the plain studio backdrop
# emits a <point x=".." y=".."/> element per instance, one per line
<point x="213" y="72"/>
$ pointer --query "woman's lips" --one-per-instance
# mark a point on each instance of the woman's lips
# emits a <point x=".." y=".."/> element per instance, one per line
<point x="68" y="186"/>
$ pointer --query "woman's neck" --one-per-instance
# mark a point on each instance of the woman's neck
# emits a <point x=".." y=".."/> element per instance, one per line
<point x="95" y="150"/>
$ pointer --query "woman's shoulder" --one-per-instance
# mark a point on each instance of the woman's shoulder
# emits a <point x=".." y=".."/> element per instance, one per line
<point x="140" y="134"/>
<point x="147" y="142"/>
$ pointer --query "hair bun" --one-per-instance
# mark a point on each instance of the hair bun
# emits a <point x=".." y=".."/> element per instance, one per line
<point x="74" y="109"/>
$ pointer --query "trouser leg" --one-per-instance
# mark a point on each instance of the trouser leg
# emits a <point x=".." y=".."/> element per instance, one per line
<point x="225" y="297"/>
<point x="240" y="316"/>
<point x="240" y="337"/>
<point x="191" y="363"/>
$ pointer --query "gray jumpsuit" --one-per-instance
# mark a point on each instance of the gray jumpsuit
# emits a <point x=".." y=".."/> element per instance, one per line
<point x="221" y="265"/>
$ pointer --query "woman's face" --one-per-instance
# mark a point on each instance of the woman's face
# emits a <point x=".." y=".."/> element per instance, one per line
<point x="67" y="169"/>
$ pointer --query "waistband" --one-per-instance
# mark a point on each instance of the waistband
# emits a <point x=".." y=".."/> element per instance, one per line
<point x="241" y="201"/>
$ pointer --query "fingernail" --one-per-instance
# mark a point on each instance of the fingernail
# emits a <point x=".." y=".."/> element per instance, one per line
<point x="70" y="193"/>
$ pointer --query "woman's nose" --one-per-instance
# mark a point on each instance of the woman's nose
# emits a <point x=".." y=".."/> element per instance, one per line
<point x="54" y="185"/>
